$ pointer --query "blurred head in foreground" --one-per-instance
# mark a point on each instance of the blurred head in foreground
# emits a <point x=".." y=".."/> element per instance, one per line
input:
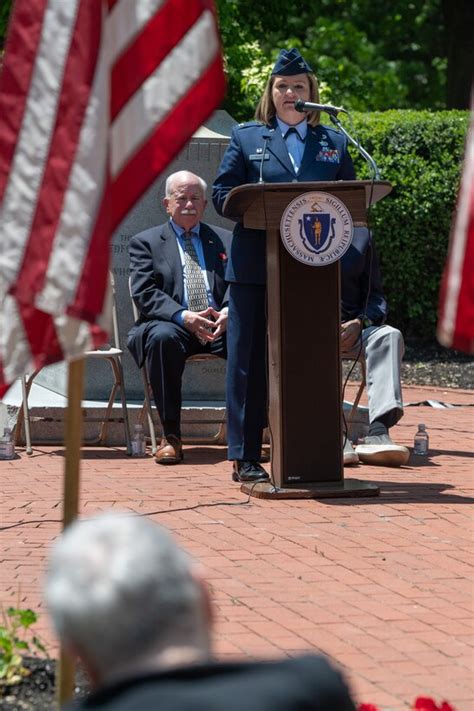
<point x="125" y="598"/>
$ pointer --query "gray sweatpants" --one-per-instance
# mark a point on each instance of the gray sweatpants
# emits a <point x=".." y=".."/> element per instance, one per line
<point x="382" y="348"/>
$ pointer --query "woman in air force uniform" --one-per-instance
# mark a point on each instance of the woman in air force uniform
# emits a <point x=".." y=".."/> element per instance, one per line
<point x="282" y="145"/>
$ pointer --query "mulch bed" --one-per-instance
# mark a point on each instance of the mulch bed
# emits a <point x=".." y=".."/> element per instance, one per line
<point x="37" y="691"/>
<point x="431" y="364"/>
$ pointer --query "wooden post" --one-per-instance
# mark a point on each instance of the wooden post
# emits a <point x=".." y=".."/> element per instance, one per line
<point x="73" y="441"/>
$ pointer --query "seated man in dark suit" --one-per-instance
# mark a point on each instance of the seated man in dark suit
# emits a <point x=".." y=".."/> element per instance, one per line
<point x="363" y="330"/>
<point x="134" y="607"/>
<point x="177" y="283"/>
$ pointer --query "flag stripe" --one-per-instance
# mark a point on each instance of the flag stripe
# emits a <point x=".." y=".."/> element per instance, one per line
<point x="15" y="79"/>
<point x="15" y="353"/>
<point x="464" y="331"/>
<point x="456" y="318"/>
<point x="26" y="172"/>
<point x="458" y="247"/>
<point x="87" y="302"/>
<point x="151" y="47"/>
<point x="166" y="141"/>
<point x="160" y="93"/>
<point x="78" y="76"/>
<point x="126" y="22"/>
<point x="82" y="200"/>
<point x="40" y="331"/>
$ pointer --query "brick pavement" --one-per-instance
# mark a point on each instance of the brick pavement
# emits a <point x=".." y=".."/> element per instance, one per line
<point x="382" y="585"/>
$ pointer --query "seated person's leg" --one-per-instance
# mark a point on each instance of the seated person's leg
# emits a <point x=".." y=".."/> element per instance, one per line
<point x="166" y="357"/>
<point x="167" y="346"/>
<point x="384" y="350"/>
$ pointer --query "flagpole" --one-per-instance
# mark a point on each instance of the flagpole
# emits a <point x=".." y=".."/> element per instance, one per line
<point x="73" y="441"/>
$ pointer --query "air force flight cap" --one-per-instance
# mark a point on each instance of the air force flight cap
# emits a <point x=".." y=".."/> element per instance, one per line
<point x="289" y="63"/>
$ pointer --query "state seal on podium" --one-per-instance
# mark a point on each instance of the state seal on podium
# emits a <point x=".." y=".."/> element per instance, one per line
<point x="316" y="228"/>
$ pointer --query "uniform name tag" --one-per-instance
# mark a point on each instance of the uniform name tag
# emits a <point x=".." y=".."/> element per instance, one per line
<point x="259" y="156"/>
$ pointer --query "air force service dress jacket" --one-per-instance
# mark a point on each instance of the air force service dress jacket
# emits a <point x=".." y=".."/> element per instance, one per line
<point x="256" y="149"/>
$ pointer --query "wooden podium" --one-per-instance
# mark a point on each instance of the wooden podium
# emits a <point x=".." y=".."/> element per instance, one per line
<point x="305" y="391"/>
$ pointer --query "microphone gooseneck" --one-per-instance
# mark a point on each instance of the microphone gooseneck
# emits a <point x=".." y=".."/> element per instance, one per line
<point x="333" y="111"/>
<point x="265" y="142"/>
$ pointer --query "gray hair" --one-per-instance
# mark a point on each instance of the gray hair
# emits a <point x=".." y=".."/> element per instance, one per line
<point x="118" y="587"/>
<point x="181" y="175"/>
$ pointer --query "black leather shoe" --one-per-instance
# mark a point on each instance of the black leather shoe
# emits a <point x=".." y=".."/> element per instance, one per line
<point x="248" y="471"/>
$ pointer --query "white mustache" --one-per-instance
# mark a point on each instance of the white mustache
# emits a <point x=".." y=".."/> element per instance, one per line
<point x="188" y="212"/>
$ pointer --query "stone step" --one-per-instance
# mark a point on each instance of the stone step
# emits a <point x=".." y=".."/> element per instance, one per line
<point x="202" y="421"/>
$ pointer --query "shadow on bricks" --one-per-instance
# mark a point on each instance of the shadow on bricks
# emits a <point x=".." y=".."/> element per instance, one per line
<point x="406" y="492"/>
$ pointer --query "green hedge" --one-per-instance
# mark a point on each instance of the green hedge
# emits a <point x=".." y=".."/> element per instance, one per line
<point x="420" y="153"/>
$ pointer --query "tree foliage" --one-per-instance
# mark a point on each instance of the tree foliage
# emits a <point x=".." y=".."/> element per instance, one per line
<point x="367" y="55"/>
<point x="420" y="153"/>
<point x="459" y="17"/>
<point x="5" y="6"/>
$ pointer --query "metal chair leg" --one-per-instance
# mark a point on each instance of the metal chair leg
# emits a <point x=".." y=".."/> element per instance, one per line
<point x="105" y="422"/>
<point x="26" y="413"/>
<point x="126" y="422"/>
<point x="23" y="417"/>
<point x="147" y="407"/>
<point x="113" y="356"/>
<point x="362" y="385"/>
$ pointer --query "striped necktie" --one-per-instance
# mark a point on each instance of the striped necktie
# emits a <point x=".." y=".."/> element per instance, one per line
<point x="195" y="284"/>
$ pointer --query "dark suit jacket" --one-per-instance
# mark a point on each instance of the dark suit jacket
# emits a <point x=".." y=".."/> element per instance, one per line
<point x="325" y="158"/>
<point x="361" y="283"/>
<point x="156" y="276"/>
<point x="305" y="684"/>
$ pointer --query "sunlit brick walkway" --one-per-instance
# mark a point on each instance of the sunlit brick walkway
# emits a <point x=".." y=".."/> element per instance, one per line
<point x="382" y="585"/>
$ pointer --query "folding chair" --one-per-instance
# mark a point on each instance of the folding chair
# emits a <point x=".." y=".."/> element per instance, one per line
<point x="218" y="438"/>
<point x="363" y="382"/>
<point x="113" y="355"/>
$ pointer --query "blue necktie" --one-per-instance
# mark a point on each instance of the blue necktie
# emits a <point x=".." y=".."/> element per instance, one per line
<point x="195" y="284"/>
<point x="294" y="146"/>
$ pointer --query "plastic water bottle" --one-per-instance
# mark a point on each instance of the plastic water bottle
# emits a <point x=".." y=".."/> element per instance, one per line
<point x="138" y="442"/>
<point x="421" y="441"/>
<point x="7" y="445"/>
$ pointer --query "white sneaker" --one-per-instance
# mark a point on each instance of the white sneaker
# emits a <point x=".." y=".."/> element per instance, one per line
<point x="380" y="450"/>
<point x="349" y="455"/>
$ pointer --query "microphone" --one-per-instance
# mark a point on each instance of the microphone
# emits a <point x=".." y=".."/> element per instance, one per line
<point x="265" y="143"/>
<point x="309" y="106"/>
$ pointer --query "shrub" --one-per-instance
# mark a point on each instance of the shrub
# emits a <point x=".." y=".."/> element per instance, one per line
<point x="13" y="644"/>
<point x="420" y="153"/>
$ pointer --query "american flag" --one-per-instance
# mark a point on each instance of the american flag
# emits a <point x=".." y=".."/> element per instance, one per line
<point x="96" y="98"/>
<point x="456" y="310"/>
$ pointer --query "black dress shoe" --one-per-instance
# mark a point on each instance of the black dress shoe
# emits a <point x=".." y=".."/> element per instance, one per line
<point x="248" y="471"/>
